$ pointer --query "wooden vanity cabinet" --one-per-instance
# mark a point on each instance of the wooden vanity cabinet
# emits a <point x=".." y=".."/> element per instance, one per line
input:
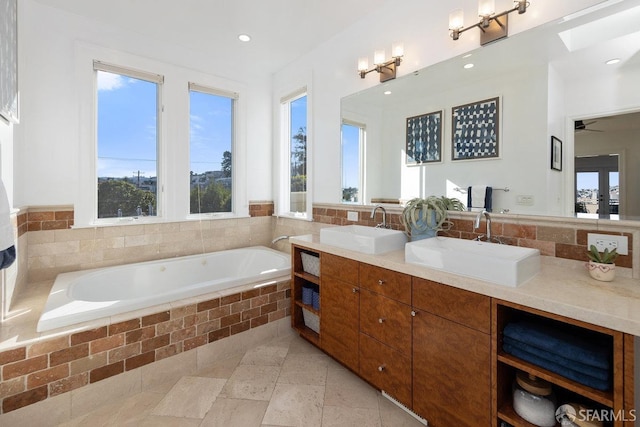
<point x="385" y="331"/>
<point x="340" y="302"/>
<point x="451" y="355"/>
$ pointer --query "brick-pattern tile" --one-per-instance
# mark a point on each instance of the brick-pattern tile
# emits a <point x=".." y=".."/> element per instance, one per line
<point x="59" y="365"/>
<point x="46" y="220"/>
<point x="261" y="209"/>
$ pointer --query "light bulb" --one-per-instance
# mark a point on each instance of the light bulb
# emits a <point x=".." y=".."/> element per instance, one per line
<point x="456" y="19"/>
<point x="486" y="7"/>
<point x="378" y="57"/>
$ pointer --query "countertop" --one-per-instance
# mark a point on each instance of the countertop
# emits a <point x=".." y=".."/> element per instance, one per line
<point x="562" y="287"/>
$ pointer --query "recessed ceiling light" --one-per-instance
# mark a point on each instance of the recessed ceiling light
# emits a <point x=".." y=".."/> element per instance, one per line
<point x="613" y="61"/>
<point x="244" y="37"/>
<point x="387" y="92"/>
<point x="467" y="66"/>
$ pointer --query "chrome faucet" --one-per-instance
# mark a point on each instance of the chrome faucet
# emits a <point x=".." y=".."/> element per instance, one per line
<point x="383" y="224"/>
<point x="476" y="224"/>
<point x="277" y="239"/>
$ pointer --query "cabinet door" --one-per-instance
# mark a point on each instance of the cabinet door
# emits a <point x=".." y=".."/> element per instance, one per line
<point x="386" y="368"/>
<point x="339" y="321"/>
<point x="386" y="320"/>
<point x="451" y="373"/>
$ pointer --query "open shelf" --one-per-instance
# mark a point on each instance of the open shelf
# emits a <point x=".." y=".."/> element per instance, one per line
<point x="307" y="276"/>
<point x="602" y="397"/>
<point x="508" y="414"/>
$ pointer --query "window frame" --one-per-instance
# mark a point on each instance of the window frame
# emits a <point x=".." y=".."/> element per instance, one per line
<point x="284" y="186"/>
<point x="158" y="79"/>
<point x="234" y="96"/>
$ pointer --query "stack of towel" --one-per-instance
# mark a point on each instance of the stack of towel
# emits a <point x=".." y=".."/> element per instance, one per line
<point x="583" y="359"/>
<point x="479" y="198"/>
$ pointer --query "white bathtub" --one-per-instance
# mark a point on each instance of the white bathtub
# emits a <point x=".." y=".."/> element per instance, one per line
<point x="94" y="294"/>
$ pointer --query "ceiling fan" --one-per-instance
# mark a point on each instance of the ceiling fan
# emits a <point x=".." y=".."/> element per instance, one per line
<point x="581" y="125"/>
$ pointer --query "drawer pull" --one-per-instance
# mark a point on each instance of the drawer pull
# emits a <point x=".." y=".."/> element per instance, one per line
<point x="381" y="319"/>
<point x="354" y="290"/>
<point x="414" y="313"/>
<point x="381" y="282"/>
<point x="381" y="368"/>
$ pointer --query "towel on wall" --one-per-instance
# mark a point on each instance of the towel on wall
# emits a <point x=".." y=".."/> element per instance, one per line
<point x="479" y="198"/>
<point x="7" y="248"/>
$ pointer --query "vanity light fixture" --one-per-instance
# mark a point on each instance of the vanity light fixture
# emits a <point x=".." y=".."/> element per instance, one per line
<point x="493" y="26"/>
<point x="386" y="69"/>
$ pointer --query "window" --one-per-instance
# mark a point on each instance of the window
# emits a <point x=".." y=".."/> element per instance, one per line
<point x="294" y="131"/>
<point x="211" y="124"/>
<point x="353" y="137"/>
<point x="128" y="123"/>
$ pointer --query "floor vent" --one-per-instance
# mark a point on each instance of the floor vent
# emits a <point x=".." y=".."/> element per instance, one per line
<point x="404" y="408"/>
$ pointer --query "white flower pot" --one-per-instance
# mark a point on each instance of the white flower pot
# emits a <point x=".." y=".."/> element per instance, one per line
<point x="602" y="272"/>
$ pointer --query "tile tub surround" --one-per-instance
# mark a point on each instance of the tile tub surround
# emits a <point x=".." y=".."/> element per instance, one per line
<point x="59" y="362"/>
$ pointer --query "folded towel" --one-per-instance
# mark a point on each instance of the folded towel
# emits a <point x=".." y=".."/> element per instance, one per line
<point x="592" y="371"/>
<point x="479" y="198"/>
<point x="589" y="350"/>
<point x="560" y="370"/>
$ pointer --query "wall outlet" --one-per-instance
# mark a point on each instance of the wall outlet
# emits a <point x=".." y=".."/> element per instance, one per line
<point x="524" y="200"/>
<point x="352" y="216"/>
<point x="608" y="241"/>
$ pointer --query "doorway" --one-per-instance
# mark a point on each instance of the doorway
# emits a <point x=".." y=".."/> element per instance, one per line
<point x="597" y="192"/>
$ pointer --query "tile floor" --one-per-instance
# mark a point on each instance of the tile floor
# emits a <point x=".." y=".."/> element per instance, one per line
<point x="286" y="382"/>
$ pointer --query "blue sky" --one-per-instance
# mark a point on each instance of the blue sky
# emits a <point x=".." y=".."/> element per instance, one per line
<point x="350" y="156"/>
<point x="127" y="128"/>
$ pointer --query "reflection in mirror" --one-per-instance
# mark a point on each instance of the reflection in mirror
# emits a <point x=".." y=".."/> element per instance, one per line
<point x="353" y="137"/>
<point x="606" y="150"/>
<point x="545" y="78"/>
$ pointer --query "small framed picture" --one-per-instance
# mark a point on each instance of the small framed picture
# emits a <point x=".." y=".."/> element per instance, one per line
<point x="424" y="138"/>
<point x="556" y="154"/>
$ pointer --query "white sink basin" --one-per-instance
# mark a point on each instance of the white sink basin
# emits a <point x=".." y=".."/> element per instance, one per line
<point x="359" y="238"/>
<point x="492" y="262"/>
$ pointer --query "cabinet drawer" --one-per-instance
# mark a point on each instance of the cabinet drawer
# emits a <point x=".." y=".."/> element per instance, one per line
<point x="386" y="282"/>
<point x="387" y="320"/>
<point x="386" y="368"/>
<point x="464" y="307"/>
<point x="336" y="266"/>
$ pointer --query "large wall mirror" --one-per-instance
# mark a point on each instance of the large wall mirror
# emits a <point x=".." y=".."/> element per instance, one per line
<point x="552" y="80"/>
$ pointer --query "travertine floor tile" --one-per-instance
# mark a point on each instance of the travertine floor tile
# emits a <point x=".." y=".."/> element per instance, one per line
<point x="310" y="369"/>
<point x="191" y="397"/>
<point x="295" y="405"/>
<point x="336" y="416"/>
<point x="235" y="413"/>
<point x="345" y="389"/>
<point x="252" y="382"/>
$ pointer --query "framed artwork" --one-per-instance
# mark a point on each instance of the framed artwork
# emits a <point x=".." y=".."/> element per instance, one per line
<point x="424" y="138"/>
<point x="475" y="130"/>
<point x="556" y="154"/>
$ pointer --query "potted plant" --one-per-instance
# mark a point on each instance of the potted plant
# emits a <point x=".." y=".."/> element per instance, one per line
<point x="601" y="264"/>
<point x="423" y="218"/>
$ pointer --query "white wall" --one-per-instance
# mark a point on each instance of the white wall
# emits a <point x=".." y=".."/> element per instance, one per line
<point x="52" y="135"/>
<point x="422" y="27"/>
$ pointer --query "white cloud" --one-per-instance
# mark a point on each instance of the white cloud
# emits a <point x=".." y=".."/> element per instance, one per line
<point x="109" y="81"/>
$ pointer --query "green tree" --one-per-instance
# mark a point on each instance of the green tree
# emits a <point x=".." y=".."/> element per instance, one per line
<point x="214" y="198"/>
<point x="350" y="194"/>
<point x="225" y="165"/>
<point x="299" y="161"/>
<point x="118" y="194"/>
